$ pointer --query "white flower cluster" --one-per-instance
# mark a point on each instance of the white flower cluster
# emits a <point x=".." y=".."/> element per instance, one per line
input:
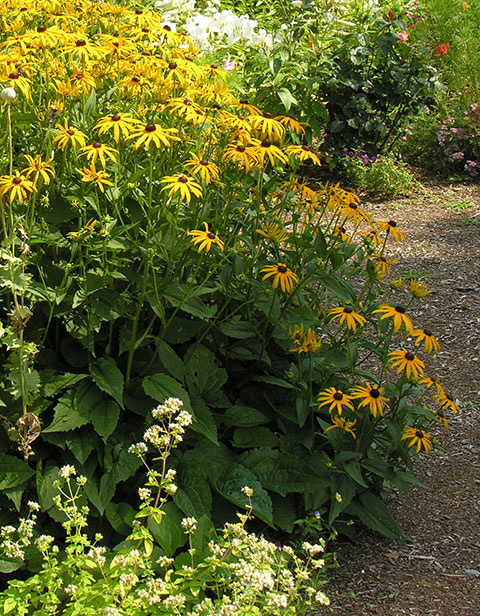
<point x="211" y="27"/>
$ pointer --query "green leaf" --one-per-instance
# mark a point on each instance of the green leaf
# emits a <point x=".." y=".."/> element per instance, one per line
<point x="243" y="416"/>
<point x="45" y="488"/>
<point x="203" y="421"/>
<point x="320" y="245"/>
<point x="65" y="417"/>
<point x="107" y="376"/>
<point x="178" y="297"/>
<point x="284" y="513"/>
<point x="246" y="438"/>
<point x="104" y="417"/>
<point x="230" y="486"/>
<point x="7" y="566"/>
<point x="340" y="289"/>
<point x="170" y="360"/>
<point x="81" y="444"/>
<point x="374" y="514"/>
<point x="193" y="496"/>
<point x="237" y="329"/>
<point x="169" y="534"/>
<point x="303" y="411"/>
<point x="203" y="373"/>
<point x="181" y="330"/>
<point x="273" y="380"/>
<point x="345" y="487"/>
<point x="161" y="386"/>
<point x="354" y="470"/>
<point x="202" y="535"/>
<point x="13" y="472"/>
<point x="287" y="98"/>
<point x="120" y="516"/>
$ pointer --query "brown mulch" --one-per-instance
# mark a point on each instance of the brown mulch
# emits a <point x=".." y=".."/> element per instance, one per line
<point x="436" y="572"/>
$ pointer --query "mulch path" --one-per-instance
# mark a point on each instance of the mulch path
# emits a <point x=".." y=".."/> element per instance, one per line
<point x="436" y="572"/>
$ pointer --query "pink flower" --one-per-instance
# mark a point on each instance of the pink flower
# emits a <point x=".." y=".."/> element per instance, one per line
<point x="403" y="36"/>
<point x="229" y="64"/>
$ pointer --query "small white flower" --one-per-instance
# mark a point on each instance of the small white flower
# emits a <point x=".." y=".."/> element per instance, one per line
<point x="67" y="471"/>
<point x="8" y="94"/>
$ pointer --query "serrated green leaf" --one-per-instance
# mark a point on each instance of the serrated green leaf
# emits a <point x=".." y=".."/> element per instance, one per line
<point x="246" y="438"/>
<point x="104" y="417"/>
<point x="243" y="416"/>
<point x="170" y="360"/>
<point x="66" y="418"/>
<point x="45" y="488"/>
<point x="81" y="444"/>
<point x="169" y="534"/>
<point x="240" y="330"/>
<point x="108" y="377"/>
<point x="13" y="472"/>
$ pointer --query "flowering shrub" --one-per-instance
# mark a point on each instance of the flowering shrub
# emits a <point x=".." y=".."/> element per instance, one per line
<point x="387" y="176"/>
<point x="158" y="241"/>
<point x="236" y="572"/>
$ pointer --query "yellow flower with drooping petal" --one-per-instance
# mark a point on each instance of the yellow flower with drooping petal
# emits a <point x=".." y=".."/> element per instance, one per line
<point x="38" y="167"/>
<point x="407" y="362"/>
<point x="371" y="396"/>
<point x="425" y="335"/>
<point x="418" y="438"/>
<point x="348" y="315"/>
<point x="336" y="399"/>
<point x="205" y="239"/>
<point x="397" y="314"/>
<point x="342" y="424"/>
<point x="283" y="276"/>
<point x="90" y="174"/>
<point x="17" y="186"/>
<point x="183" y="185"/>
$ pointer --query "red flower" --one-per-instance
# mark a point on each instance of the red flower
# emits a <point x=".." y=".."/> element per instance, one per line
<point x="443" y="49"/>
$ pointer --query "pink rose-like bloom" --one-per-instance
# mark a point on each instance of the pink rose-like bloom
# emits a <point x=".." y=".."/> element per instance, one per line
<point x="403" y="36"/>
<point x="229" y="64"/>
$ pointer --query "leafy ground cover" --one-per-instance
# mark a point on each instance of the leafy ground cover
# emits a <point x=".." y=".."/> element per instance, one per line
<point x="436" y="571"/>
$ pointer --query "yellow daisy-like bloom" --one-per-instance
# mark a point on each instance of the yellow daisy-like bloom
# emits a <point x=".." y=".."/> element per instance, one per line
<point x="440" y="416"/>
<point x="352" y="211"/>
<point x="407" y="362"/>
<point x="119" y="123"/>
<point x="17" y="185"/>
<point x="99" y="151"/>
<point x="187" y="109"/>
<point x="16" y="80"/>
<point x="417" y="438"/>
<point x="371" y="396"/>
<point x="348" y="315"/>
<point x="297" y="333"/>
<point x="432" y="382"/>
<point x="98" y="177"/>
<point x="372" y="238"/>
<point x="241" y="155"/>
<point x="382" y="267"/>
<point x="265" y="149"/>
<point x="244" y="105"/>
<point x="343" y="424"/>
<point x="38" y="167"/>
<point x="153" y="133"/>
<point x="391" y="228"/>
<point x="83" y="49"/>
<point x="308" y="343"/>
<point x="274" y="232"/>
<point x="206" y="169"/>
<point x="205" y="239"/>
<point x="267" y="126"/>
<point x="397" y="313"/>
<point x="69" y="135"/>
<point x="290" y="123"/>
<point x="446" y="402"/>
<point x="182" y="184"/>
<point x="283" y="276"/>
<point x="336" y="399"/>
<point x="304" y="153"/>
<point x="418" y="289"/>
<point x="425" y="335"/>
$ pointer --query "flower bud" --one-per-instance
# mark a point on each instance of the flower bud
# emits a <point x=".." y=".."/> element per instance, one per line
<point x="8" y="94"/>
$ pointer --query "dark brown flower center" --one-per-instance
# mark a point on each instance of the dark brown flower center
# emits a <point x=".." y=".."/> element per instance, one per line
<point x="348" y="310"/>
<point x="266" y="143"/>
<point x="204" y="162"/>
<point x="70" y="132"/>
<point x="338" y="395"/>
<point x="115" y="117"/>
<point x="135" y="79"/>
<point x="400" y="309"/>
<point x="138" y="11"/>
<point x="267" y="115"/>
<point x="17" y="181"/>
<point x="172" y="66"/>
<point x="353" y="206"/>
<point x="79" y="76"/>
<point x="374" y="393"/>
<point x="240" y="148"/>
<point x="41" y="29"/>
<point x="80" y="43"/>
<point x="419" y="434"/>
<point x="167" y="28"/>
<point x="214" y="66"/>
<point x="145" y="30"/>
<point x="182" y="179"/>
<point x="97" y="145"/>
<point x="427" y="332"/>
<point x="211" y="236"/>
<point x="149" y="128"/>
<point x="392" y="223"/>
<point x="14" y="75"/>
<point x="409" y="356"/>
<point x="282" y="269"/>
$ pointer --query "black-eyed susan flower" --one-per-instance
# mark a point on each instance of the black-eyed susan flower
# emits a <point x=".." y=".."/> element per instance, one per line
<point x="206" y="169"/>
<point x="243" y="105"/>
<point x="99" y="177"/>
<point x="446" y="402"/>
<point x="372" y="238"/>
<point x="440" y="416"/>
<point x="153" y="133"/>
<point x="241" y="155"/>
<point x="274" y="232"/>
<point x="291" y="123"/>
<point x="382" y="268"/>
<point x="266" y="150"/>
<point x="419" y="289"/>
<point x="346" y="314"/>
<point x="183" y="185"/>
<point x="18" y="81"/>
<point x="187" y="109"/>
<point x="371" y="396"/>
<point x="69" y="135"/>
<point x="297" y="333"/>
<point x="432" y="382"/>
<point x="397" y="314"/>
<point x="83" y="49"/>
<point x="418" y="438"/>
<point x="99" y="151"/>
<point x="267" y="126"/>
<point x="16" y="186"/>
<point x="430" y="342"/>
<point x="391" y="228"/>
<point x="309" y="342"/>
<point x="303" y="153"/>
<point x="204" y="240"/>
<point x="119" y="123"/>
<point x="39" y="168"/>
<point x="283" y="276"/>
<point x="336" y="399"/>
<point x="342" y="424"/>
<point x="407" y="362"/>
<point x="353" y="212"/>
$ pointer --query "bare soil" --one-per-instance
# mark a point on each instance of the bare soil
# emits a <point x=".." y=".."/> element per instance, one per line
<point x="436" y="572"/>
